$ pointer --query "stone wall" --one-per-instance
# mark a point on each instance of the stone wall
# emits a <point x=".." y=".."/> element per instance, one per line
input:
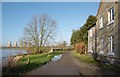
<point x="108" y="29"/>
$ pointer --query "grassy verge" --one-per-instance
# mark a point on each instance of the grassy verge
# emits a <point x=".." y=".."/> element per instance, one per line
<point x="84" y="57"/>
<point x="88" y="59"/>
<point x="36" y="60"/>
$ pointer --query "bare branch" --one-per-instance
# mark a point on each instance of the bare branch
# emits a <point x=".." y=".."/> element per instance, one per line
<point x="40" y="30"/>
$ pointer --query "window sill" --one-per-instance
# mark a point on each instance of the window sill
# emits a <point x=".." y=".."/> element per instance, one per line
<point x="101" y="53"/>
<point x="101" y="28"/>
<point x="91" y="37"/>
<point x="110" y="53"/>
<point x="110" y="22"/>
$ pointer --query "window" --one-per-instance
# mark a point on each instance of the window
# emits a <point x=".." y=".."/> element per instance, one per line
<point x="101" y="22"/>
<point x="90" y="45"/>
<point x="90" y="32"/>
<point x="111" y="42"/>
<point x="110" y="15"/>
<point x="101" y="46"/>
<point x="111" y="46"/>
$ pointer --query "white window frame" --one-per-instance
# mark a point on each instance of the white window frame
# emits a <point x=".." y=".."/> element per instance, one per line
<point x="90" y="32"/>
<point x="101" y="22"/>
<point x="111" y="42"/>
<point x="111" y="15"/>
<point x="101" y="46"/>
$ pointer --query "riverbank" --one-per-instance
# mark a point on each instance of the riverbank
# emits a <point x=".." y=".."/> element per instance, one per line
<point x="10" y="53"/>
<point x="28" y="63"/>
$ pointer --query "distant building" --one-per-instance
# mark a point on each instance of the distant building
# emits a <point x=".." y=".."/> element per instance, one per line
<point x="15" y="44"/>
<point x="9" y="44"/>
<point x="25" y="44"/>
<point x="21" y="44"/>
<point x="29" y="44"/>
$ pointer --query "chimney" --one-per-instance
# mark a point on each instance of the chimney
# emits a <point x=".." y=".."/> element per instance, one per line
<point x="15" y="44"/>
<point x="9" y="44"/>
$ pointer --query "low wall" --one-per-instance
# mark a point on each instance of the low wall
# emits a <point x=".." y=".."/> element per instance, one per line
<point x="109" y="59"/>
<point x="106" y="59"/>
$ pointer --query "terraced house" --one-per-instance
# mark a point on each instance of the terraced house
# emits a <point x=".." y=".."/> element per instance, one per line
<point x="92" y="39"/>
<point x="107" y="31"/>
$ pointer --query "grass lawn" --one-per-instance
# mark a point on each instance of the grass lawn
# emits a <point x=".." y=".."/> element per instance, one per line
<point x="36" y="60"/>
<point x="88" y="59"/>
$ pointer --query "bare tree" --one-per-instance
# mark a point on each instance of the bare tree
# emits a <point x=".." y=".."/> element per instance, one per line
<point x="40" y="31"/>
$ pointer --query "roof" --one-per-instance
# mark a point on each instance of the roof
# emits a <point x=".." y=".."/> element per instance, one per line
<point x="92" y="26"/>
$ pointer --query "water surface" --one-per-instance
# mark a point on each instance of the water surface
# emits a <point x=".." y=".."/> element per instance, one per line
<point x="6" y="53"/>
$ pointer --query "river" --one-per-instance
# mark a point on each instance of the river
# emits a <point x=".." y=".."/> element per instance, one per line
<point x="5" y="53"/>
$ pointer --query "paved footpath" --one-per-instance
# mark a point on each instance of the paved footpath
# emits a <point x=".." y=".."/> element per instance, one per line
<point x="67" y="65"/>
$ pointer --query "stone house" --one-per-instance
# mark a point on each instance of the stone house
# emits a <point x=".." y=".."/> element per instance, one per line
<point x="107" y="31"/>
<point x="92" y="39"/>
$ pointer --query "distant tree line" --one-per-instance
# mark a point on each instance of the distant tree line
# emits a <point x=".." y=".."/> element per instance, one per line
<point x="81" y="35"/>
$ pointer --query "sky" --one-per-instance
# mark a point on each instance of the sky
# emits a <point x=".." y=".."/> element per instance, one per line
<point x="68" y="15"/>
<point x="52" y="0"/>
<point x="0" y="24"/>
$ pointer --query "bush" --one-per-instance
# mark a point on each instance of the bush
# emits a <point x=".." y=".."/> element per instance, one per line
<point x="80" y="47"/>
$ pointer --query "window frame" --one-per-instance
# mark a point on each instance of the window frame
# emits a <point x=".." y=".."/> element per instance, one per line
<point x="101" y="43"/>
<point x="111" y="45"/>
<point x="111" y="15"/>
<point x="91" y="31"/>
<point x="111" y="41"/>
<point x="101" y="22"/>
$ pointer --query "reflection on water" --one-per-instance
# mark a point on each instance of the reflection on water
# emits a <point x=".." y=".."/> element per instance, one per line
<point x="57" y="57"/>
<point x="8" y="53"/>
